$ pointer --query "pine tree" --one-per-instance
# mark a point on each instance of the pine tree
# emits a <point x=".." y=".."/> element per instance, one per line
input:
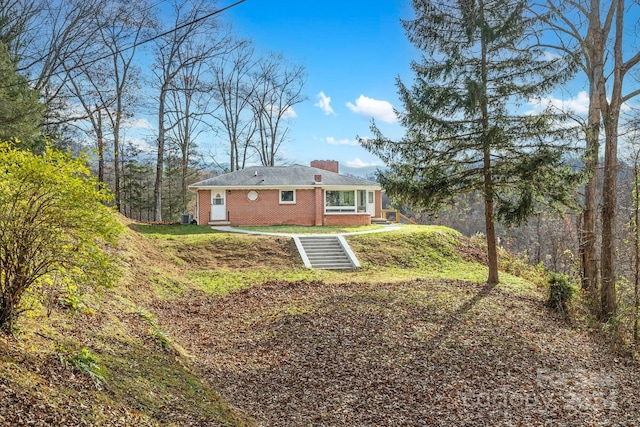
<point x="21" y="113"/>
<point x="466" y="130"/>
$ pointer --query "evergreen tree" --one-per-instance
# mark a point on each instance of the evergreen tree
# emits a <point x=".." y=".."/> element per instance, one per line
<point x="21" y="112"/>
<point x="465" y="130"/>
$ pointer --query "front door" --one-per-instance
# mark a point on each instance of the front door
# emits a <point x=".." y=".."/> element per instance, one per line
<point x="218" y="206"/>
<point x="371" y="203"/>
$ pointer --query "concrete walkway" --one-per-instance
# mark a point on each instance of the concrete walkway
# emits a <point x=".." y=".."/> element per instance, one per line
<point x="239" y="230"/>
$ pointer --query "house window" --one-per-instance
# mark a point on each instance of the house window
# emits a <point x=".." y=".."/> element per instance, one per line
<point x="218" y="200"/>
<point x="370" y="197"/>
<point x="340" y="201"/>
<point x="287" y="196"/>
<point x="252" y="196"/>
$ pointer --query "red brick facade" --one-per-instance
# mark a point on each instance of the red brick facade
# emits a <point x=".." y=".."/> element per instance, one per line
<point x="347" y="219"/>
<point x="267" y="209"/>
<point x="204" y="206"/>
<point x="308" y="209"/>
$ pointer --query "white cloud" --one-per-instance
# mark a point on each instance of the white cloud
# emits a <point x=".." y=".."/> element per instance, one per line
<point x="358" y="164"/>
<point x="576" y="105"/>
<point x="324" y="103"/>
<point x="550" y="56"/>
<point x="289" y="113"/>
<point x="138" y="124"/>
<point x="141" y="144"/>
<point x="378" y="109"/>
<point x="331" y="140"/>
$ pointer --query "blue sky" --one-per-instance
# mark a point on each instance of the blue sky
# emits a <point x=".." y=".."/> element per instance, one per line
<point x="353" y="51"/>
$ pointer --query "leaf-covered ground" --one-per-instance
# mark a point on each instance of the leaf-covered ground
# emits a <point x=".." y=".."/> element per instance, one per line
<point x="417" y="353"/>
<point x="204" y="332"/>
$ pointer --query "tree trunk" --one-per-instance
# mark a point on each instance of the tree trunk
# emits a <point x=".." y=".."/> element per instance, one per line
<point x="100" y="144"/>
<point x="609" y="199"/>
<point x="611" y="116"/>
<point x="116" y="155"/>
<point x="595" y="43"/>
<point x="6" y="313"/>
<point x="157" y="191"/>
<point x="588" y="251"/>
<point x="636" y="246"/>
<point x="492" y="251"/>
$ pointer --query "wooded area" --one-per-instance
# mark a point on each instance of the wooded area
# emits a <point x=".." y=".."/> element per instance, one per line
<point x="96" y="65"/>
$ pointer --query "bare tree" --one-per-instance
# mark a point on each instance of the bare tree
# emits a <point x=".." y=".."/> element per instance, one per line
<point x="192" y="41"/>
<point x="15" y="17"/>
<point x="581" y="33"/>
<point x="188" y="103"/>
<point x="610" y="107"/>
<point x="53" y="35"/>
<point x="125" y="26"/>
<point x="106" y="89"/>
<point x="233" y="89"/>
<point x="634" y="229"/>
<point x="278" y="89"/>
<point x="593" y="31"/>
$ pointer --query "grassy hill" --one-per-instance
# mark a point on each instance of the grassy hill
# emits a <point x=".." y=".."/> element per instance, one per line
<point x="216" y="329"/>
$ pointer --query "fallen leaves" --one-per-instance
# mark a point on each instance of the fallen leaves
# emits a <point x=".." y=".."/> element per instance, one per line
<point x="359" y="354"/>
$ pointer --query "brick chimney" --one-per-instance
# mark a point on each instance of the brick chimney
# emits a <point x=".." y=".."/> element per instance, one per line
<point x="328" y="165"/>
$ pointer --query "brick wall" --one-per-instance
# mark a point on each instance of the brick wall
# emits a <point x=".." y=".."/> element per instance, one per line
<point x="328" y="165"/>
<point x="267" y="210"/>
<point x="204" y="206"/>
<point x="347" y="219"/>
<point x="378" y="203"/>
<point x="319" y="201"/>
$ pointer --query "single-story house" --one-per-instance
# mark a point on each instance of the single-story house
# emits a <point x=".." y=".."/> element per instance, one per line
<point x="294" y="195"/>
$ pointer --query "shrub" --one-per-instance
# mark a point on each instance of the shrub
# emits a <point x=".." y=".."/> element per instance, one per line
<point x="53" y="219"/>
<point x="561" y="291"/>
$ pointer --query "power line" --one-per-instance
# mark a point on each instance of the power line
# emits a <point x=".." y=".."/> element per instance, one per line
<point x="145" y="41"/>
<point x="157" y="36"/>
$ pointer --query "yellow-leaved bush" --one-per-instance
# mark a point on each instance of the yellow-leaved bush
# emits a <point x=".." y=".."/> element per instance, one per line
<point x="54" y="219"/>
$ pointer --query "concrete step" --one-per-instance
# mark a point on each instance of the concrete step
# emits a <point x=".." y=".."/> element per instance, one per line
<point x="326" y="252"/>
<point x="322" y="252"/>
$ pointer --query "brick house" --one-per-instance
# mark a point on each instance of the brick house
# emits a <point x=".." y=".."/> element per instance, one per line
<point x="293" y="195"/>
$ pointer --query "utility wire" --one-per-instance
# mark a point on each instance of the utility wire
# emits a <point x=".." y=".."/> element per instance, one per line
<point x="157" y="36"/>
<point x="148" y="40"/>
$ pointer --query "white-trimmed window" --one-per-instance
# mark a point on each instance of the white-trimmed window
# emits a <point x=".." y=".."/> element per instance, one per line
<point x="218" y="199"/>
<point x="287" y="197"/>
<point x="340" y="201"/>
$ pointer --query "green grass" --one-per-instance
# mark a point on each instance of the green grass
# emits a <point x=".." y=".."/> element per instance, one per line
<point x="158" y="231"/>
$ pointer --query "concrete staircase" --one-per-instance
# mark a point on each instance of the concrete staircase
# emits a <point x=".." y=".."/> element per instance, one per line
<point x="326" y="252"/>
